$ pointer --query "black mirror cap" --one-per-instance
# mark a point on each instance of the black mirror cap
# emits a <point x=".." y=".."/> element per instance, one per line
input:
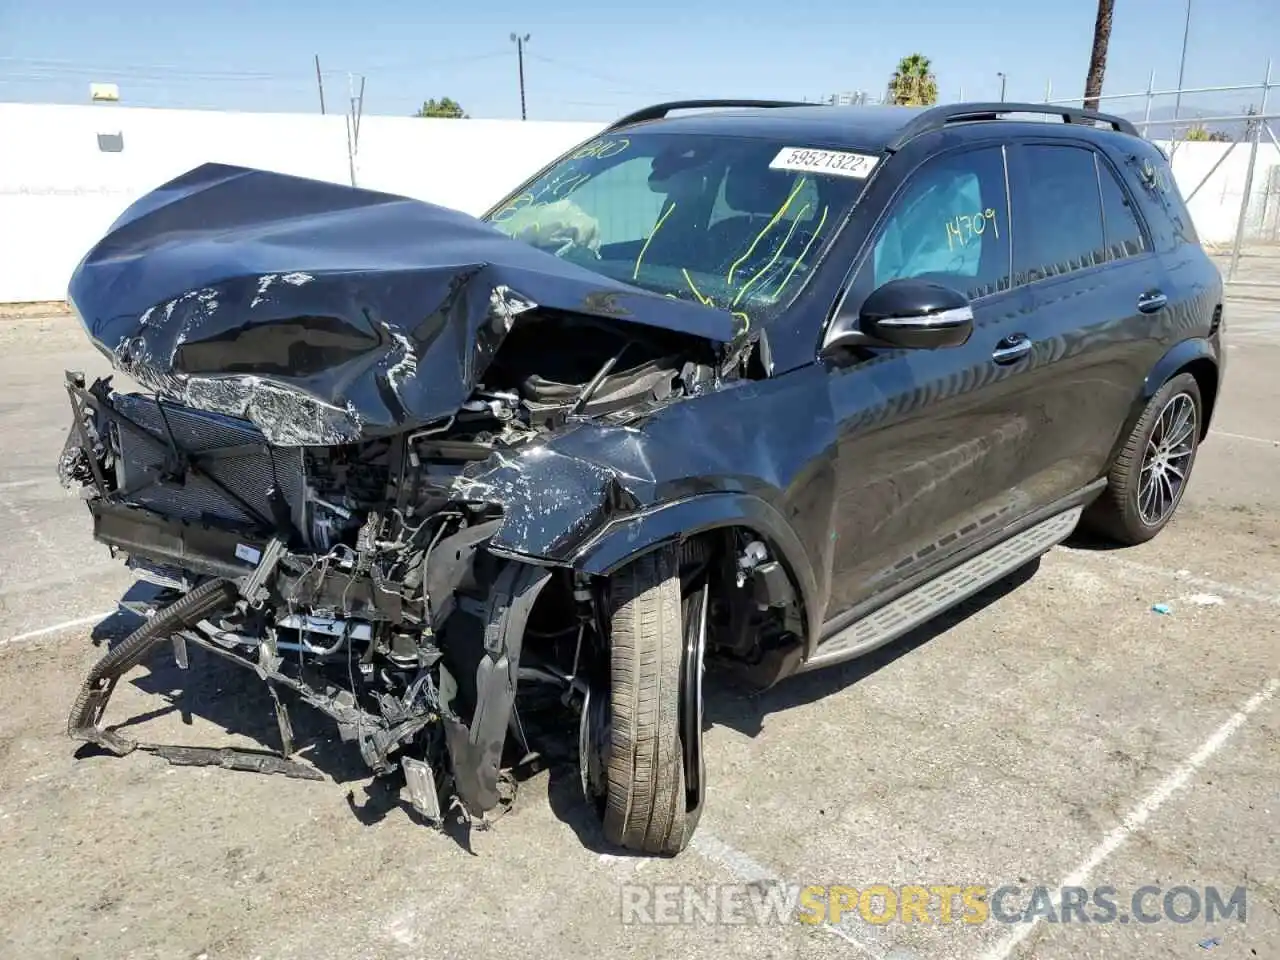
<point x="914" y="313"/>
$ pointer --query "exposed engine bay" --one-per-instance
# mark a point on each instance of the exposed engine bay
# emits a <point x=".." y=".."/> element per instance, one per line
<point x="357" y="576"/>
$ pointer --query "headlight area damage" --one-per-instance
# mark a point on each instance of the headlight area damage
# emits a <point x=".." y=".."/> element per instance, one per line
<point x="346" y="472"/>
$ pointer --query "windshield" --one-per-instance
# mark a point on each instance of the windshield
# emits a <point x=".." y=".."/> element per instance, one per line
<point x="702" y="218"/>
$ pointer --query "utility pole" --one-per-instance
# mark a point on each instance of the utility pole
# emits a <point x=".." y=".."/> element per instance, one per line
<point x="520" y="42"/>
<point x="1004" y="78"/>
<point x="320" y="84"/>
<point x="1177" y="100"/>
<point x="354" y="113"/>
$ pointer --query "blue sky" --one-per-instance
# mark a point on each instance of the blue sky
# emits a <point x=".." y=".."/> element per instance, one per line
<point x="593" y="60"/>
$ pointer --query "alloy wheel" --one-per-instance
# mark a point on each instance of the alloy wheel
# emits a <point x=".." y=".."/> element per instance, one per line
<point x="1167" y="459"/>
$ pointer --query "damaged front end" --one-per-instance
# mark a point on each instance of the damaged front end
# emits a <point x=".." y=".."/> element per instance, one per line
<point x="357" y="576"/>
<point x="314" y="483"/>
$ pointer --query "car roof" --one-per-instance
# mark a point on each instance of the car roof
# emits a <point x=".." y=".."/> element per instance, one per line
<point x="874" y="128"/>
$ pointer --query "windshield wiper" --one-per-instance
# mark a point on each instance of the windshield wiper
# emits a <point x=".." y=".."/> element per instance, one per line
<point x="593" y="384"/>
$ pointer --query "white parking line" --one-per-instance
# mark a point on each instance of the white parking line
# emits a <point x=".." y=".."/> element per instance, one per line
<point x="67" y="625"/>
<point x="11" y="484"/>
<point x="735" y="861"/>
<point x="748" y="870"/>
<point x="1244" y="436"/>
<point x="1182" y="576"/>
<point x="1140" y="814"/>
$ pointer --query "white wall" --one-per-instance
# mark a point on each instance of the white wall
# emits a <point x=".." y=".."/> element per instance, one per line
<point x="1215" y="208"/>
<point x="59" y="191"/>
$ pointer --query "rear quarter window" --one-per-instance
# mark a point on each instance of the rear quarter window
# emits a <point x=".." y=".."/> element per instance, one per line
<point x="1150" y="178"/>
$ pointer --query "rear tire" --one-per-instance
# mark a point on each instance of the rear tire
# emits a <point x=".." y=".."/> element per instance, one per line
<point x="1150" y="475"/>
<point x="645" y="802"/>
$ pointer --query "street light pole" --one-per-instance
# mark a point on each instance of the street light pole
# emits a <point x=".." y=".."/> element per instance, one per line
<point x="520" y="42"/>
<point x="1003" y="79"/>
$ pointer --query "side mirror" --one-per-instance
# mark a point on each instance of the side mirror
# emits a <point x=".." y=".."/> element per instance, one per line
<point x="911" y="313"/>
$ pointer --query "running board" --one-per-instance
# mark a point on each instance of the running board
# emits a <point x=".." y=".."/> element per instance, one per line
<point x="946" y="590"/>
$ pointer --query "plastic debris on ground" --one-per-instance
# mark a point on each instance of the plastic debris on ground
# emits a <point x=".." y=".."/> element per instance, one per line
<point x="1205" y="600"/>
<point x="1161" y="608"/>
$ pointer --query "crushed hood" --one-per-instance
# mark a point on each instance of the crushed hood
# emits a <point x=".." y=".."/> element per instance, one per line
<point x="325" y="313"/>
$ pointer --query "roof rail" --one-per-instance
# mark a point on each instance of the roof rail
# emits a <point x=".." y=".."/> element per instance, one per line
<point x="935" y="118"/>
<point x="660" y="110"/>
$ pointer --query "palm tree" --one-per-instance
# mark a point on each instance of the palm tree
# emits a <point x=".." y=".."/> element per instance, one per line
<point x="912" y="84"/>
<point x="1098" y="58"/>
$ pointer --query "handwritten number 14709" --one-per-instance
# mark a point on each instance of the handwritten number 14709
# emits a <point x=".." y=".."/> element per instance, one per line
<point x="962" y="227"/>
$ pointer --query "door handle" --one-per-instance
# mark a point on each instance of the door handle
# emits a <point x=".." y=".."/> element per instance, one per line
<point x="1151" y="301"/>
<point x="1012" y="348"/>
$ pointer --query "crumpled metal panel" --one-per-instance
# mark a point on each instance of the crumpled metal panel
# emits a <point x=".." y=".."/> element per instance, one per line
<point x="324" y="313"/>
<point x="738" y="438"/>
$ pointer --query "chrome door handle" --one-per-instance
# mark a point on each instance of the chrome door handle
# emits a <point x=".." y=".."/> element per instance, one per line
<point x="1152" y="301"/>
<point x="1012" y="348"/>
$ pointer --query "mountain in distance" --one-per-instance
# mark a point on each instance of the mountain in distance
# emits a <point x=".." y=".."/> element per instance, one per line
<point x="1188" y="115"/>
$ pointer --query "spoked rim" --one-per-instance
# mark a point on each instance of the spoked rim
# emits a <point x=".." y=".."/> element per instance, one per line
<point x="1167" y="460"/>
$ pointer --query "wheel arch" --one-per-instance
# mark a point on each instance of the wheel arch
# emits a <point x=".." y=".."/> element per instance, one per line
<point x="1196" y="357"/>
<point x="624" y="540"/>
<point x="1207" y="377"/>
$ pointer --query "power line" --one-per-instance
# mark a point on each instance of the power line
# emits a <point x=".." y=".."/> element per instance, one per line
<point x="420" y="64"/>
<point x="605" y="78"/>
<point x="173" y="80"/>
<point x="52" y="68"/>
<point x="51" y="65"/>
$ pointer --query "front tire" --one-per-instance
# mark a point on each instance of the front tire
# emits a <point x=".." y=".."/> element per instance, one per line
<point x="645" y="800"/>
<point x="1150" y="475"/>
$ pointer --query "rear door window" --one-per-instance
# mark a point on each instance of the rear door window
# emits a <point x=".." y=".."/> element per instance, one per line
<point x="1058" y="212"/>
<point x="1149" y="177"/>
<point x="1125" y="237"/>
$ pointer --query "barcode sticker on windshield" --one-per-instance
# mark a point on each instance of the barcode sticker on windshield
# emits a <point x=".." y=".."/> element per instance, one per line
<point x="837" y="162"/>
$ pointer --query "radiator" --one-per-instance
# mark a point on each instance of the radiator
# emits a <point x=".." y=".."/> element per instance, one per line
<point x="249" y="473"/>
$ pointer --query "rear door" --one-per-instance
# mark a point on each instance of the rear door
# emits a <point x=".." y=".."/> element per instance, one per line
<point x="1098" y="299"/>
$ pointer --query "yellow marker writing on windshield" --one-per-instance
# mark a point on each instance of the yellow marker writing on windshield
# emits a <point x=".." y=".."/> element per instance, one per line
<point x="705" y="301"/>
<point x="774" y="259"/>
<point x="803" y="253"/>
<point x="656" y="227"/>
<point x="767" y="227"/>
<point x="563" y="185"/>
<point x="601" y="149"/>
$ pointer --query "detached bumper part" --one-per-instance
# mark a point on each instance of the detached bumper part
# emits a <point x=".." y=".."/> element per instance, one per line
<point x="476" y="751"/>
<point x="86" y="714"/>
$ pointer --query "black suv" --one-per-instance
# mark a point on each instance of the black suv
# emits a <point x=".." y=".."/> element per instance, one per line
<point x="757" y="388"/>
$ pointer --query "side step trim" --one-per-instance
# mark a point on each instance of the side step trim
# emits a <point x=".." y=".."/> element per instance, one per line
<point x="926" y="601"/>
